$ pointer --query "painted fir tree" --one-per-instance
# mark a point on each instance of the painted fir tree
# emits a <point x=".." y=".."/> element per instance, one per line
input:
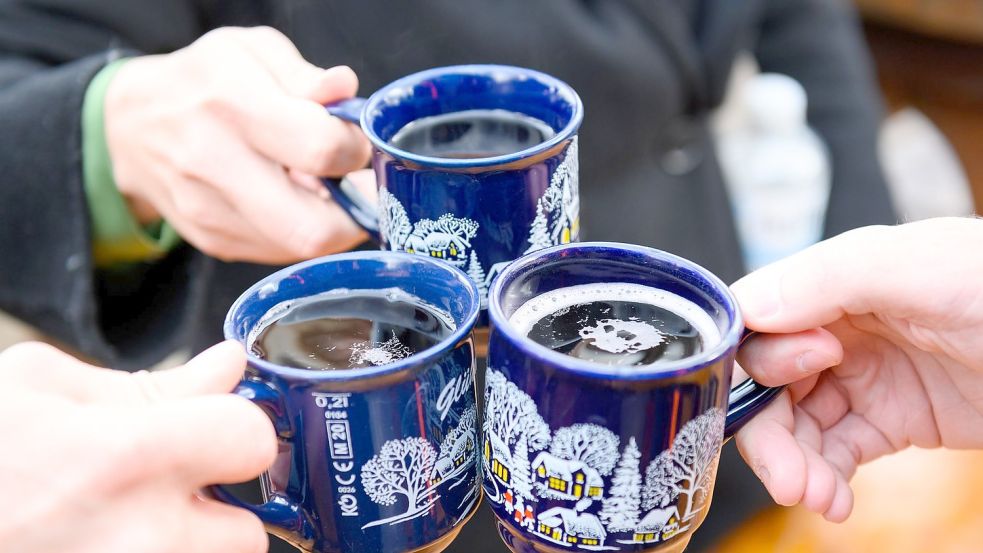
<point x="521" y="481"/>
<point x="539" y="233"/>
<point x="477" y="274"/>
<point x="620" y="511"/>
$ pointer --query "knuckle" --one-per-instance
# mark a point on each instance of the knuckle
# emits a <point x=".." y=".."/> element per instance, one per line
<point x="211" y="245"/>
<point x="322" y="155"/>
<point x="128" y="455"/>
<point x="221" y="101"/>
<point x="221" y="35"/>
<point x="266" y="33"/>
<point x="192" y="160"/>
<point x="29" y="353"/>
<point x="309" y="241"/>
<point x="193" y="207"/>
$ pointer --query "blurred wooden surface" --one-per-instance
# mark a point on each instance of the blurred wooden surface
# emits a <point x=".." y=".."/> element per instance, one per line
<point x="960" y="20"/>
<point x="942" y="78"/>
<point x="914" y="502"/>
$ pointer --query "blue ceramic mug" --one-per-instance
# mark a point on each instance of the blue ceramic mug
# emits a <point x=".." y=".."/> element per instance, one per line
<point x="372" y="459"/>
<point x="476" y="213"/>
<point x="583" y="456"/>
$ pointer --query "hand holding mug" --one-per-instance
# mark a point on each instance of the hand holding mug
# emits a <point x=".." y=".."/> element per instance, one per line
<point x="895" y="314"/>
<point x="101" y="461"/>
<point x="224" y="139"/>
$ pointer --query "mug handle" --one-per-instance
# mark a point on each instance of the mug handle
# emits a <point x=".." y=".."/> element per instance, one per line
<point x="747" y="399"/>
<point x="362" y="213"/>
<point x="281" y="516"/>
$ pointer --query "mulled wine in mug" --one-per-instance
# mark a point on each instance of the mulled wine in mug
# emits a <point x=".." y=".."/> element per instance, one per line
<point x="608" y="397"/>
<point x="476" y="165"/>
<point x="365" y="363"/>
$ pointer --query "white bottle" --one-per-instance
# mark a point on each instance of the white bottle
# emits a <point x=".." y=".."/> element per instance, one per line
<point x="777" y="172"/>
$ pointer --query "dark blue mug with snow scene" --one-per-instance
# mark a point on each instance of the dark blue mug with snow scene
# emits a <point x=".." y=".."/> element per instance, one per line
<point x="476" y="165"/>
<point x="378" y="458"/>
<point x="608" y="397"/>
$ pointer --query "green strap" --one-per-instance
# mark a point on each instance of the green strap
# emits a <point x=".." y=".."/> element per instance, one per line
<point x="117" y="237"/>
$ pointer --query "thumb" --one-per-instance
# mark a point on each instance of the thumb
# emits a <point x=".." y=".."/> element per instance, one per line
<point x="917" y="271"/>
<point x="216" y="370"/>
<point x="819" y="285"/>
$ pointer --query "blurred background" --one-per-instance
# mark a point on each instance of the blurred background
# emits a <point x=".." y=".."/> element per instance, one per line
<point x="929" y="58"/>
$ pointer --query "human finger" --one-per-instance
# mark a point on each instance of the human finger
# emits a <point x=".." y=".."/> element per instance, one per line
<point x="842" y="504"/>
<point x="214" y="526"/>
<point x="853" y="441"/>
<point x="216" y="370"/>
<point x="296" y="76"/>
<point x="303" y="225"/>
<point x="768" y="446"/>
<point x="825" y="403"/>
<point x="847" y="274"/>
<point x="776" y="359"/>
<point x="364" y="183"/>
<point x="207" y="220"/>
<point x="217" y="439"/>
<point x="301" y="135"/>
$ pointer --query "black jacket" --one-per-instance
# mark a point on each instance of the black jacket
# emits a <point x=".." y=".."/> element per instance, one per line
<point x="649" y="71"/>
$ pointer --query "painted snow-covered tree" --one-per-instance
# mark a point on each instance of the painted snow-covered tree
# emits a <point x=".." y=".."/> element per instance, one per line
<point x="620" y="510"/>
<point x="510" y="413"/>
<point x="402" y="467"/>
<point x="521" y="481"/>
<point x="461" y="227"/>
<point x="477" y="274"/>
<point x="595" y="445"/>
<point x="539" y="234"/>
<point x="465" y="427"/>
<point x="686" y="470"/>
<point x="393" y="222"/>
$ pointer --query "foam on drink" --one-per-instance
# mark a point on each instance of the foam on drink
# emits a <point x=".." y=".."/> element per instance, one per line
<point x="617" y="324"/>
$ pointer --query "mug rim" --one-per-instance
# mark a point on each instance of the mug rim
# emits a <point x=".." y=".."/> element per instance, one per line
<point x="420" y="359"/>
<point x="728" y="340"/>
<point x="562" y="135"/>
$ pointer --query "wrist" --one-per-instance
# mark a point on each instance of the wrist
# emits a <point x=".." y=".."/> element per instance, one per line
<point x="121" y="98"/>
<point x="118" y="226"/>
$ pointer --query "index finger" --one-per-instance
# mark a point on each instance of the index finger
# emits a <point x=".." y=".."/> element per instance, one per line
<point x="294" y="218"/>
<point x="219" y="439"/>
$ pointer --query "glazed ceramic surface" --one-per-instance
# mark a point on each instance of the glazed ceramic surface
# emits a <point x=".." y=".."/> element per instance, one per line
<point x="584" y="457"/>
<point x="374" y="459"/>
<point x="476" y="214"/>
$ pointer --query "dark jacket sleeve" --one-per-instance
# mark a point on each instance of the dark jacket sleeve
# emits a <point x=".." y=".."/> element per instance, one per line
<point x="820" y="44"/>
<point x="49" y="51"/>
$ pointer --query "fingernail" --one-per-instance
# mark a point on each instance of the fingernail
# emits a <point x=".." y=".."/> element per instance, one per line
<point x="762" y="473"/>
<point x="812" y="361"/>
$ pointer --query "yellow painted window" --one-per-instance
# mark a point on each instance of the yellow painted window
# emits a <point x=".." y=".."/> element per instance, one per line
<point x="595" y="491"/>
<point x="542" y="471"/>
<point x="649" y="536"/>
<point x="578" y="490"/>
<point x="556" y="534"/>
<point x="580" y="478"/>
